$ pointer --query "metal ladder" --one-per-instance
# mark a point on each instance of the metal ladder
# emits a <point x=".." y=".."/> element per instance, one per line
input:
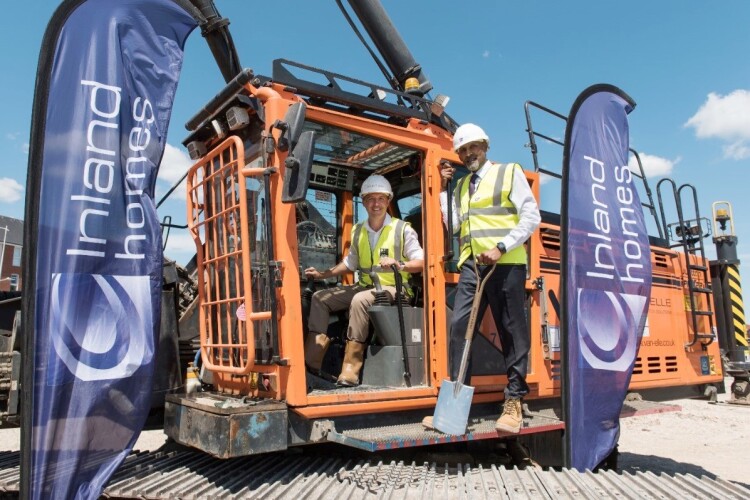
<point x="688" y="234"/>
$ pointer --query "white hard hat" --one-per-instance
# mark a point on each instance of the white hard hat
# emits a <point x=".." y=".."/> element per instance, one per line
<point x="376" y="184"/>
<point x="467" y="133"/>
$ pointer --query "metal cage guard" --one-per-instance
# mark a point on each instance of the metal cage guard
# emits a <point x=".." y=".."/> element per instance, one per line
<point x="219" y="222"/>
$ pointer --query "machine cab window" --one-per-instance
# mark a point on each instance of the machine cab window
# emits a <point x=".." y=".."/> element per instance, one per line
<point x="333" y="206"/>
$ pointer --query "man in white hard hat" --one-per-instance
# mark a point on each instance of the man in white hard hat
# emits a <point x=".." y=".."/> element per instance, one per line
<point x="382" y="241"/>
<point x="496" y="212"/>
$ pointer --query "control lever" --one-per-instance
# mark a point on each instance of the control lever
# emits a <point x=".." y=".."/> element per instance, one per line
<point x="402" y="328"/>
<point x="381" y="296"/>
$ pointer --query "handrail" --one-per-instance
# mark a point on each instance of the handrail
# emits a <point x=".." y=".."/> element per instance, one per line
<point x="684" y="243"/>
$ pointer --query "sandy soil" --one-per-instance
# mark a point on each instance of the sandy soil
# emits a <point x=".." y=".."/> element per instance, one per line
<point x="701" y="439"/>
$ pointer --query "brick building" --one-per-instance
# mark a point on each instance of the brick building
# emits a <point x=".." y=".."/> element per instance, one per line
<point x="11" y="246"/>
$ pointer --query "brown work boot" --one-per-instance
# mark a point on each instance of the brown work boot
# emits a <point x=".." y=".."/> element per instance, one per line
<point x="511" y="419"/>
<point x="428" y="424"/>
<point x="353" y="358"/>
<point x="316" y="346"/>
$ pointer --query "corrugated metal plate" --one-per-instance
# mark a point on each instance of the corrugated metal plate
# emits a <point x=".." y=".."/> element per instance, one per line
<point x="194" y="475"/>
<point x="408" y="435"/>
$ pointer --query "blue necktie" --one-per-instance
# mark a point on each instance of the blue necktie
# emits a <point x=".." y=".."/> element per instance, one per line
<point x="473" y="184"/>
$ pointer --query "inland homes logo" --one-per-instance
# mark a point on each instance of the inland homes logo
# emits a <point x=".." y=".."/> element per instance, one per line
<point x="104" y="341"/>
<point x="100" y="343"/>
<point x="606" y="316"/>
<point x="100" y="172"/>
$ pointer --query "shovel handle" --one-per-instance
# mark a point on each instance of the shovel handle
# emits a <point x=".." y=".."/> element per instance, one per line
<point x="470" y="327"/>
<point x="475" y="303"/>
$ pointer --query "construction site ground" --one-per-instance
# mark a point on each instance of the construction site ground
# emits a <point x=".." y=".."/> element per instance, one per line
<point x="704" y="440"/>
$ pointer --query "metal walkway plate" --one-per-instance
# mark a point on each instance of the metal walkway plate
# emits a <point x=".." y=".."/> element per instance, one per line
<point x="410" y="435"/>
<point x="193" y="475"/>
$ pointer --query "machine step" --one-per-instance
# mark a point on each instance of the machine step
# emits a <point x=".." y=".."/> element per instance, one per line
<point x="378" y="438"/>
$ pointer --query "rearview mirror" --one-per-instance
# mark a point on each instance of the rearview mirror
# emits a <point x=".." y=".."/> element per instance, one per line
<point x="298" y="167"/>
<point x="291" y="127"/>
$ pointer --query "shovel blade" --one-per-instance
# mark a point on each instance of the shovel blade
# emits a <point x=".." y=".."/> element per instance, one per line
<point x="452" y="410"/>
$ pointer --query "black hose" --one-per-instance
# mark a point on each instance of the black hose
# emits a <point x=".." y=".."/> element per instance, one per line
<point x="390" y="78"/>
<point x="215" y="29"/>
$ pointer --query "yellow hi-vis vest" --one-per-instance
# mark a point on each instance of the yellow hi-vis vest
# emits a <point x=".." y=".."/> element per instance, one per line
<point x="391" y="239"/>
<point x="489" y="215"/>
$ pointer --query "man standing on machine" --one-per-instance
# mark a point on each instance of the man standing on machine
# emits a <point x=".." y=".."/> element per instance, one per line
<point x="496" y="212"/>
<point x="380" y="240"/>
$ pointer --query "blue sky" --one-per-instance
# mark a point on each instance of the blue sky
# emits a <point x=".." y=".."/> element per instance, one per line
<point x="684" y="62"/>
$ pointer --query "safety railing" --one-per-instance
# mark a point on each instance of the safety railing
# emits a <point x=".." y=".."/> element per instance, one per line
<point x="223" y="222"/>
<point x="689" y="235"/>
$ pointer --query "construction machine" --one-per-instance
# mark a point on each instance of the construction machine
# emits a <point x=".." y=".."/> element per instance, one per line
<point x="279" y="162"/>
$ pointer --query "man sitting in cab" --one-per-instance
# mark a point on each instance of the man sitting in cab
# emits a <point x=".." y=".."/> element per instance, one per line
<point x="381" y="241"/>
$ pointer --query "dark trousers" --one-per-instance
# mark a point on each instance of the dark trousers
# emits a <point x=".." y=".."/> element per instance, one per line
<point x="504" y="293"/>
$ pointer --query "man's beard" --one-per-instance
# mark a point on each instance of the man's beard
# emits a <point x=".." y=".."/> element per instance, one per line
<point x="473" y="164"/>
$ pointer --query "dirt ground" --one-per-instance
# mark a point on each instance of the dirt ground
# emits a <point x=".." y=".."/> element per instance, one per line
<point x="701" y="439"/>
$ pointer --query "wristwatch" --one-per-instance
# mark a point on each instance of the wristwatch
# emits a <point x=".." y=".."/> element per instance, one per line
<point x="401" y="265"/>
<point x="501" y="247"/>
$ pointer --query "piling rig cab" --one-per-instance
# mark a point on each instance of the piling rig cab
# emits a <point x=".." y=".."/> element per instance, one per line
<point x="280" y="162"/>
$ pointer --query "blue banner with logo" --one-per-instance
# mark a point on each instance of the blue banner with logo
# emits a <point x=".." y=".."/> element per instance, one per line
<point x="606" y="273"/>
<point x="105" y="87"/>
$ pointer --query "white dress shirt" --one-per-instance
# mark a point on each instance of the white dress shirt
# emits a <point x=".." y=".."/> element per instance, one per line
<point x="524" y="201"/>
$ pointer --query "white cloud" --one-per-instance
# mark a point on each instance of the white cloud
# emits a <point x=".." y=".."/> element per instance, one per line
<point x="13" y="137"/>
<point x="180" y="246"/>
<point x="174" y="164"/>
<point x="10" y="190"/>
<point x="653" y="166"/>
<point x="726" y="118"/>
<point x="739" y="150"/>
<point x="545" y="178"/>
<point x="486" y="54"/>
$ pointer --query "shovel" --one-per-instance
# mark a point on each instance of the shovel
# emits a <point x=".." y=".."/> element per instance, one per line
<point x="454" y="400"/>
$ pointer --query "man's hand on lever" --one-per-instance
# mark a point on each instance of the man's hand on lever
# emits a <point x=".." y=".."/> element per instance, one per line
<point x="446" y="173"/>
<point x="311" y="272"/>
<point x="336" y="270"/>
<point x="389" y="262"/>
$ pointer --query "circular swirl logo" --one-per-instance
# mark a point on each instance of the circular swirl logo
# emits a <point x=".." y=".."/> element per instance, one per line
<point x="98" y="324"/>
<point x="607" y="326"/>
